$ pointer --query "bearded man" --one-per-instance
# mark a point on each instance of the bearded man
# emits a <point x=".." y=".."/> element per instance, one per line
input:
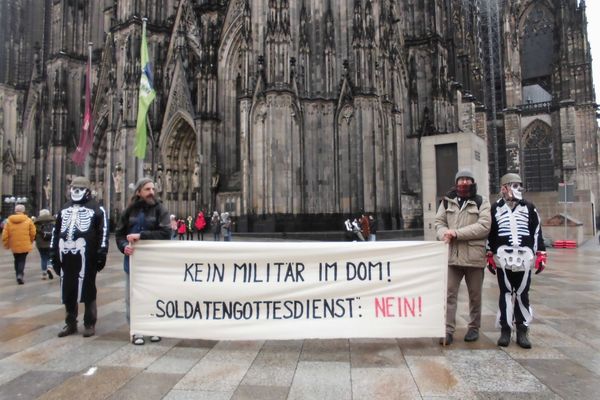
<point x="145" y="218"/>
<point x="79" y="246"/>
<point x="515" y="247"/>
<point x="463" y="222"/>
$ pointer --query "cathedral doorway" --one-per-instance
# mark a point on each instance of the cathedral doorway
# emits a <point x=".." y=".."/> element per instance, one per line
<point x="178" y="169"/>
<point x="538" y="158"/>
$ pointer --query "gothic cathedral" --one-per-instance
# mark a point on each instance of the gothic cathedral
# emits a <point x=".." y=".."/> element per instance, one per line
<point x="292" y="114"/>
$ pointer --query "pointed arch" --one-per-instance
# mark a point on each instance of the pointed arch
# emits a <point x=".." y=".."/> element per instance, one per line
<point x="178" y="154"/>
<point x="538" y="157"/>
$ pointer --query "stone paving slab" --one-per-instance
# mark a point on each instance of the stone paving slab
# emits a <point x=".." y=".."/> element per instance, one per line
<point x="564" y="362"/>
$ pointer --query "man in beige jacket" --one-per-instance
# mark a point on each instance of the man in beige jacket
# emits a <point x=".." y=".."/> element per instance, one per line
<point x="463" y="221"/>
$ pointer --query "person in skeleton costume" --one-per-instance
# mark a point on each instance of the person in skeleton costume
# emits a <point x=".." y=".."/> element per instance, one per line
<point x="145" y="218"/>
<point x="515" y="247"/>
<point x="463" y="222"/>
<point x="78" y="251"/>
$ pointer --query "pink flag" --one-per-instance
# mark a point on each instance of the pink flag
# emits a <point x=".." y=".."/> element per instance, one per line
<point x="86" y="138"/>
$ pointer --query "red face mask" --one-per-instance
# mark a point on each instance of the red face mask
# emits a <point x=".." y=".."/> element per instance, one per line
<point x="463" y="189"/>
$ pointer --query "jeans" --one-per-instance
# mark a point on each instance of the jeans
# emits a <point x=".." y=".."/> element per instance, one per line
<point x="44" y="257"/>
<point x="20" y="264"/>
<point x="372" y="237"/>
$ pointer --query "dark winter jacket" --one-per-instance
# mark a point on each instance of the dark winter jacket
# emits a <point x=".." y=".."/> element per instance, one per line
<point x="152" y="222"/>
<point x="43" y="231"/>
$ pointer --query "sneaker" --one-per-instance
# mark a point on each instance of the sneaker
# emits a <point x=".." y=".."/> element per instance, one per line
<point x="138" y="340"/>
<point x="44" y="276"/>
<point x="89" y="331"/>
<point x="20" y="281"/>
<point x="50" y="276"/>
<point x="472" y="335"/>
<point x="155" y="339"/>
<point x="67" y="330"/>
<point x="447" y="340"/>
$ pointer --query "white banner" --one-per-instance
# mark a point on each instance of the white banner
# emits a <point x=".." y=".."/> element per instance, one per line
<point x="288" y="290"/>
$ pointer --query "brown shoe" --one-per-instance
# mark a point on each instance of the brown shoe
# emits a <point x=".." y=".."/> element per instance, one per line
<point x="67" y="330"/>
<point x="89" y="331"/>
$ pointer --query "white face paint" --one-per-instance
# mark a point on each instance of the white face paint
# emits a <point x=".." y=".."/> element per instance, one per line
<point x="77" y="193"/>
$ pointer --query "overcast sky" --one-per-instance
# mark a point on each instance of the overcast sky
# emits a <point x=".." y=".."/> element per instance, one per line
<point x="593" y="17"/>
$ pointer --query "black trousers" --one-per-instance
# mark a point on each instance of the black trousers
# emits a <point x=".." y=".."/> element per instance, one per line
<point x="20" y="264"/>
<point x="90" y="315"/>
<point x="514" y="297"/>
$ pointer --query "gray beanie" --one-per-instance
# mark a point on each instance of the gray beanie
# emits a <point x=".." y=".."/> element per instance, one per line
<point x="141" y="182"/>
<point x="464" y="173"/>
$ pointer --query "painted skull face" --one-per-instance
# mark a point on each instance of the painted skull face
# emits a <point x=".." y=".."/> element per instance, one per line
<point x="77" y="193"/>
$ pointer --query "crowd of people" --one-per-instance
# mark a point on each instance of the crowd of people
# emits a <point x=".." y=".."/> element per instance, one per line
<point x="505" y="236"/>
<point x="217" y="225"/>
<point x="362" y="228"/>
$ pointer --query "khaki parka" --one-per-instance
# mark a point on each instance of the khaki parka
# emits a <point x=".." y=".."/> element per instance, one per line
<point x="472" y="225"/>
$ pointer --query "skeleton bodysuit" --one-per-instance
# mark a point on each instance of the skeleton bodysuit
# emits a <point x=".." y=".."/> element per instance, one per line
<point x="514" y="238"/>
<point x="80" y="237"/>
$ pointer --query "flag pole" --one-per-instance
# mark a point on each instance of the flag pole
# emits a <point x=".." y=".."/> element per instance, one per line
<point x="86" y="166"/>
<point x="146" y="96"/>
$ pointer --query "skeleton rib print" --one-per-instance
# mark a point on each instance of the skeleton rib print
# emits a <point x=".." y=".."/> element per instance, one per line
<point x="76" y="217"/>
<point x="513" y="224"/>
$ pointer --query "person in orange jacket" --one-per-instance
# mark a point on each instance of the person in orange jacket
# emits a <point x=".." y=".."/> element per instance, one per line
<point x="18" y="236"/>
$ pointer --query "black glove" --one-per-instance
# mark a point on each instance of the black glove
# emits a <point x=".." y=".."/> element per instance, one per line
<point x="100" y="261"/>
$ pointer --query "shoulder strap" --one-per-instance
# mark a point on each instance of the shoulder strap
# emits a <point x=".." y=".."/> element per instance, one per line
<point x="478" y="200"/>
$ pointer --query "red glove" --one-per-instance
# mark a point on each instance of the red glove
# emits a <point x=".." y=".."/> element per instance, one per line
<point x="491" y="264"/>
<point x="540" y="261"/>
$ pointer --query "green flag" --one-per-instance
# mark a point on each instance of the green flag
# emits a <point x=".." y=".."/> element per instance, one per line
<point x="147" y="94"/>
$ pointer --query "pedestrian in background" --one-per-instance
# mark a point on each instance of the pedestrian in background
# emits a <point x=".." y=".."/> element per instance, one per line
<point x="173" y="222"/>
<point x="44" y="224"/>
<point x="215" y="226"/>
<point x="200" y="225"/>
<point x="372" y="228"/>
<point x="18" y="236"/>
<point x="189" y="228"/>
<point x="226" y="226"/>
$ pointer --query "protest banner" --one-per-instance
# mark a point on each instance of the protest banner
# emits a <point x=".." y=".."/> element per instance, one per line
<point x="288" y="290"/>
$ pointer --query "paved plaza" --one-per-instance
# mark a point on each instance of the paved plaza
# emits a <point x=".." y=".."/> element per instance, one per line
<point x="564" y="362"/>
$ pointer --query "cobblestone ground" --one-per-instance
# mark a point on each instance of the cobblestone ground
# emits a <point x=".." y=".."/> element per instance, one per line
<point x="563" y="363"/>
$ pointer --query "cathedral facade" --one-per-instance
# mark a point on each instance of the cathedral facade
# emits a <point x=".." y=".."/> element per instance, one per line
<point x="293" y="114"/>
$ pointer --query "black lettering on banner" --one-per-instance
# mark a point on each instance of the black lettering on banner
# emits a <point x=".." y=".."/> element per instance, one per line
<point x="331" y="308"/>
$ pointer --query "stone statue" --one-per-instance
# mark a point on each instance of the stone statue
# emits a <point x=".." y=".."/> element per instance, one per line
<point x="184" y="182"/>
<point x="196" y="177"/>
<point x="214" y="180"/>
<point x="48" y="189"/>
<point x="169" y="181"/>
<point x="176" y="182"/>
<point x="159" y="180"/>
<point x="100" y="191"/>
<point x="117" y="176"/>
